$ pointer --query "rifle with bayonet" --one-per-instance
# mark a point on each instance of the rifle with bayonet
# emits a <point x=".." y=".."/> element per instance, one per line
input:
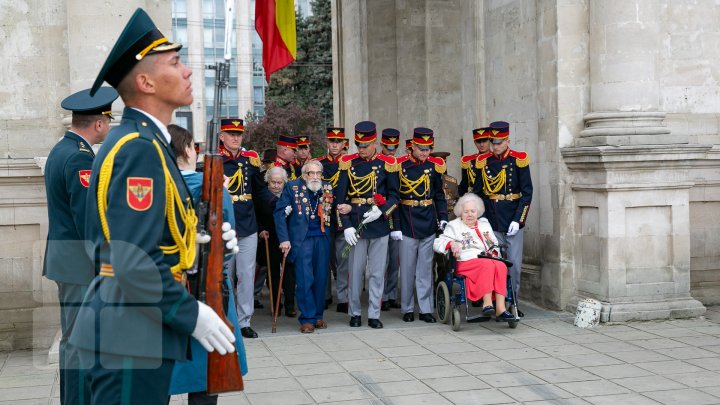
<point x="223" y="371"/>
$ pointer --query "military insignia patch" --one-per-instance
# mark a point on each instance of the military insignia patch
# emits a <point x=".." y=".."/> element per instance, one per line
<point x="84" y="177"/>
<point x="139" y="193"/>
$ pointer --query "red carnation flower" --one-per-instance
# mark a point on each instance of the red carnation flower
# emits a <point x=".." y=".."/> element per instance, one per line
<point x="379" y="199"/>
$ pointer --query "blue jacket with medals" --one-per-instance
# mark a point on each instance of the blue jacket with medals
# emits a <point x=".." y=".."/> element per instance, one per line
<point x="67" y="177"/>
<point x="141" y="226"/>
<point x="305" y="209"/>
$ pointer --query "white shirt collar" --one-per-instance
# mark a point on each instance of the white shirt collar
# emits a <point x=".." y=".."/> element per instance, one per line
<point x="157" y="122"/>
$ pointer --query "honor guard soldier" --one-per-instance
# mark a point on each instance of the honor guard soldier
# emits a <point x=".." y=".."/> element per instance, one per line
<point x="67" y="178"/>
<point x="422" y="211"/>
<point x="338" y="262"/>
<point x="302" y="153"/>
<point x="506" y="189"/>
<point x="137" y="315"/>
<point x="369" y="183"/>
<point x="468" y="163"/>
<point x="242" y="167"/>
<point x="285" y="156"/>
<point x="389" y="142"/>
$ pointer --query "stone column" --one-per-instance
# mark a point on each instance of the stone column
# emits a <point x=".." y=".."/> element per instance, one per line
<point x="624" y="46"/>
<point x="630" y="176"/>
<point x="195" y="59"/>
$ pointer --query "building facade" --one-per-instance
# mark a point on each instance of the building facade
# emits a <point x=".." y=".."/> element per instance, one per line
<point x="616" y="101"/>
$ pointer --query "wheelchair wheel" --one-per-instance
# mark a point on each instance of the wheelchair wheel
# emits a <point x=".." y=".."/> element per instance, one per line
<point x="455" y="319"/>
<point x="513" y="324"/>
<point x="442" y="302"/>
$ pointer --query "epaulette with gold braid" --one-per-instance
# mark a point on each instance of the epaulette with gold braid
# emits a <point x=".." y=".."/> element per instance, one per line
<point x="481" y="160"/>
<point x="346" y="161"/>
<point x="521" y="158"/>
<point x="402" y="159"/>
<point x="439" y="164"/>
<point x="466" y="161"/>
<point x="391" y="165"/>
<point x="252" y="156"/>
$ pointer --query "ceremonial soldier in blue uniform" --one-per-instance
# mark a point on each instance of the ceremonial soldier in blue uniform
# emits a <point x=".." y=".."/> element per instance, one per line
<point x="302" y="153"/>
<point x="67" y="177"/>
<point x="137" y="315"/>
<point x="423" y="210"/>
<point x="468" y="163"/>
<point x="302" y="219"/>
<point x="242" y="167"/>
<point x="506" y="189"/>
<point x="338" y="262"/>
<point x="389" y="143"/>
<point x="408" y="146"/>
<point x="285" y="157"/>
<point x="369" y="184"/>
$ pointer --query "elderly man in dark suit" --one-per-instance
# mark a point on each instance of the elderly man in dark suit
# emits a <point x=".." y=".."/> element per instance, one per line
<point x="302" y="220"/>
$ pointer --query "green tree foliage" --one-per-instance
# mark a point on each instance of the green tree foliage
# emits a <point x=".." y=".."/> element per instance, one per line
<point x="290" y="120"/>
<point x="307" y="82"/>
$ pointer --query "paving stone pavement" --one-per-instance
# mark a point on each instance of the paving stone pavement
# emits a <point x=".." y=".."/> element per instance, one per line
<point x="546" y="360"/>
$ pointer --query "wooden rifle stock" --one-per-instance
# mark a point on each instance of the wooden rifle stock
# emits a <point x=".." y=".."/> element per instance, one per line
<point x="223" y="371"/>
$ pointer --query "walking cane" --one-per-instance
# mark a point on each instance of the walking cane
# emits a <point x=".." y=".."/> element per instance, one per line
<point x="277" y="305"/>
<point x="269" y="275"/>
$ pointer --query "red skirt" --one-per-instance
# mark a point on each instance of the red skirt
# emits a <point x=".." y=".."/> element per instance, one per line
<point x="483" y="276"/>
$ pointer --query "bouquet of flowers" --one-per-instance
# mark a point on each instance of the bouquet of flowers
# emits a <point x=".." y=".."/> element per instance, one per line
<point x="378" y="200"/>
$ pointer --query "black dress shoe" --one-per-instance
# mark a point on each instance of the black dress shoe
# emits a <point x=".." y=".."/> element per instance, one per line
<point x="375" y="323"/>
<point x="408" y="317"/>
<point x="427" y="318"/>
<point x="355" y="321"/>
<point x="385" y="306"/>
<point x="259" y="305"/>
<point x="328" y="301"/>
<point x="247" y="332"/>
<point x="394" y="304"/>
<point x="290" y="311"/>
<point x="342" y="307"/>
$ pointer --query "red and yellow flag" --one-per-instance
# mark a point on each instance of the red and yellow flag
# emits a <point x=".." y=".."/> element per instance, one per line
<point x="275" y="24"/>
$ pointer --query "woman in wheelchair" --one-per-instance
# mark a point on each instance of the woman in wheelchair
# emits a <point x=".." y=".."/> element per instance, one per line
<point x="472" y="241"/>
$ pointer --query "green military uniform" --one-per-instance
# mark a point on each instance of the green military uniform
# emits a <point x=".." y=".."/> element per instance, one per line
<point x="67" y="177"/>
<point x="137" y="315"/>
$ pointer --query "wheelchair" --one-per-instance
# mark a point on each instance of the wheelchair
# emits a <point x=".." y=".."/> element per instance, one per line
<point x="450" y="295"/>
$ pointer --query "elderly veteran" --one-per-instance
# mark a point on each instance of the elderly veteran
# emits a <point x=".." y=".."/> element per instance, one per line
<point x="474" y="245"/>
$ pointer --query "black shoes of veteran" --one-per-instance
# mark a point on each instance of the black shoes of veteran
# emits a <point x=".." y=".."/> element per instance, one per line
<point x="427" y="318"/>
<point x="247" y="332"/>
<point x="375" y="323"/>
<point x="290" y="311"/>
<point x="258" y="304"/>
<point x="408" y="317"/>
<point x="342" y="307"/>
<point x="355" y="321"/>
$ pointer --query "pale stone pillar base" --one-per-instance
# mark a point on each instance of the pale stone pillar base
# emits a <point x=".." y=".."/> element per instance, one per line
<point x="627" y="128"/>
<point x="632" y="229"/>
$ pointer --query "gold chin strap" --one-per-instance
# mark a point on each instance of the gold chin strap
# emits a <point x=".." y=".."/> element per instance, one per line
<point x="408" y="186"/>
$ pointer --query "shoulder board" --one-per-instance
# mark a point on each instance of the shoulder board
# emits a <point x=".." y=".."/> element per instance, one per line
<point x="466" y="161"/>
<point x="439" y="164"/>
<point x="321" y="158"/>
<point x="252" y="156"/>
<point x="82" y="147"/>
<point x="391" y="165"/>
<point x="224" y="152"/>
<point x="521" y="158"/>
<point x="481" y="160"/>
<point x="402" y="159"/>
<point x="346" y="161"/>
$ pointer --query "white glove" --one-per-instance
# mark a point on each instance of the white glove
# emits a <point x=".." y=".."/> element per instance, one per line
<point x="228" y="236"/>
<point x="211" y="331"/>
<point x="202" y="238"/>
<point x="396" y="235"/>
<point x="288" y="210"/>
<point x="350" y="236"/>
<point x="372" y="215"/>
<point x="443" y="224"/>
<point x="513" y="228"/>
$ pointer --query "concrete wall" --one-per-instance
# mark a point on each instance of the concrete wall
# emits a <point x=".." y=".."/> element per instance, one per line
<point x="50" y="49"/>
